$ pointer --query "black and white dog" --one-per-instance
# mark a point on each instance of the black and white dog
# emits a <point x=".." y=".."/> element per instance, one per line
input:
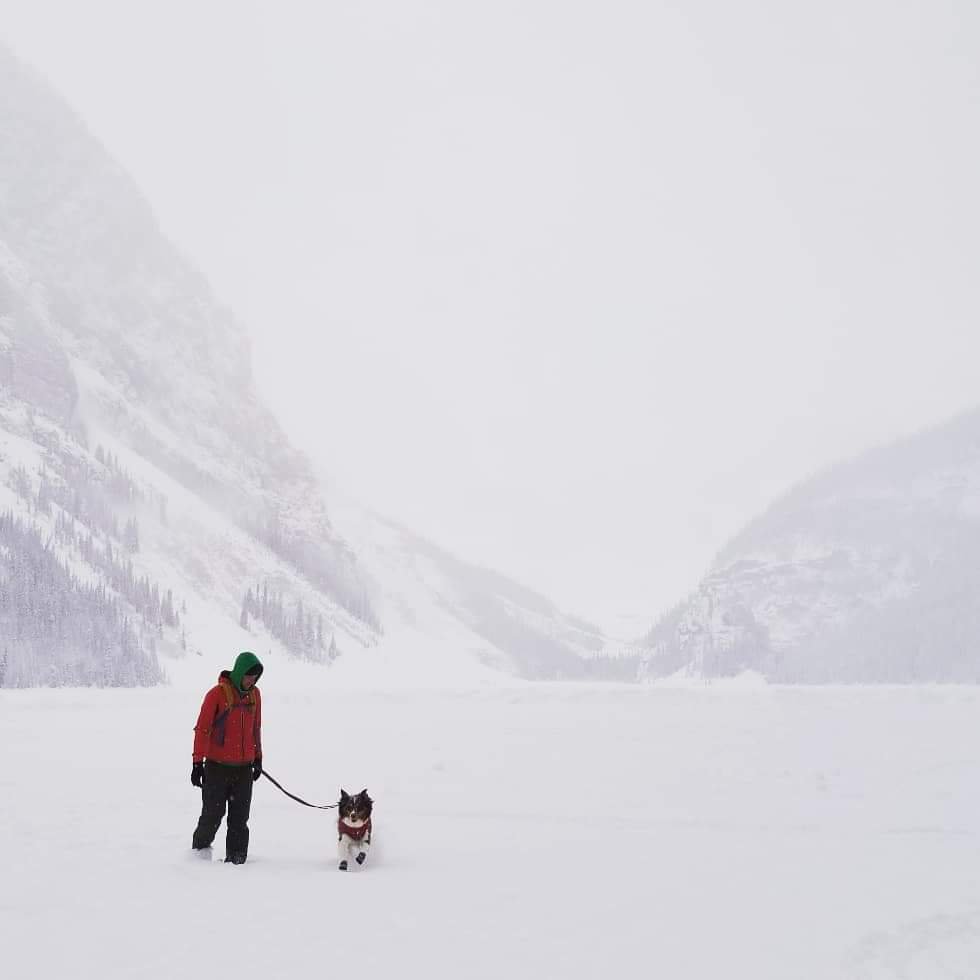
<point x="354" y="827"/>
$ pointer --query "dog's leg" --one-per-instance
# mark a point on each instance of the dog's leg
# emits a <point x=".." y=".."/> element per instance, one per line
<point x="343" y="851"/>
<point x="364" y="846"/>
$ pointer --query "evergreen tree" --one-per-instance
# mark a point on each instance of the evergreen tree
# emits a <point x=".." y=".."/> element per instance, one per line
<point x="131" y="536"/>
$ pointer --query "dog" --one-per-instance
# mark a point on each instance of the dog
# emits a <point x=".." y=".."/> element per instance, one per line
<point x="354" y="827"/>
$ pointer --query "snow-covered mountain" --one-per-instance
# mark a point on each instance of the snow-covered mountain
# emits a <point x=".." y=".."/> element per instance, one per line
<point x="446" y="603"/>
<point x="868" y="572"/>
<point x="152" y="505"/>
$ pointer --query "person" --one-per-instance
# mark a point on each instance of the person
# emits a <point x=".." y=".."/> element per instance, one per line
<point x="228" y="756"/>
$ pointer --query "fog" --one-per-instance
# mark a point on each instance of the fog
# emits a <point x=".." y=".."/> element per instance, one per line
<point x="574" y="289"/>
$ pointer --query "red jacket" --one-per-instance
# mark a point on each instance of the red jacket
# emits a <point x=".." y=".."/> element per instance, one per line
<point x="229" y="728"/>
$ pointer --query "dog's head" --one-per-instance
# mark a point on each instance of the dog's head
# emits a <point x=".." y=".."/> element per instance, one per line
<point x="355" y="809"/>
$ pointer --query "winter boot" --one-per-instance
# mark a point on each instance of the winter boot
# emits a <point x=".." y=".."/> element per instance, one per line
<point x="237" y="858"/>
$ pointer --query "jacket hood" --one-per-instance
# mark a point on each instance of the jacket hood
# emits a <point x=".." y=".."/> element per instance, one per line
<point x="245" y="663"/>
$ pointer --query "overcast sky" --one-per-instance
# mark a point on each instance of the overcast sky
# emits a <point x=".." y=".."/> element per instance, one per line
<point x="574" y="288"/>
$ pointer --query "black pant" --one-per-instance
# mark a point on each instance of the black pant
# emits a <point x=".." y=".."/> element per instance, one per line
<point x="231" y="785"/>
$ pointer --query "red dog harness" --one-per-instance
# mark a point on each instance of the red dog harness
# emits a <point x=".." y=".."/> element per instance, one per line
<point x="354" y="833"/>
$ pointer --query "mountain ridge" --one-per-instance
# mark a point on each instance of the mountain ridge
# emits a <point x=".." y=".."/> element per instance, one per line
<point x="136" y="451"/>
<point x="865" y="572"/>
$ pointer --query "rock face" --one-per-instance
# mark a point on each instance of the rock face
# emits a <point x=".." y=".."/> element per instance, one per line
<point x="869" y="572"/>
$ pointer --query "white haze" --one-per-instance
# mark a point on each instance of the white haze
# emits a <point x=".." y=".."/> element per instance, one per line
<point x="574" y="288"/>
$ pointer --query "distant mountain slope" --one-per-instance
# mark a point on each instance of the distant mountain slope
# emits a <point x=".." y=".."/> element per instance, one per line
<point x="144" y="484"/>
<point x="127" y="402"/>
<point x="500" y="623"/>
<point x="868" y="572"/>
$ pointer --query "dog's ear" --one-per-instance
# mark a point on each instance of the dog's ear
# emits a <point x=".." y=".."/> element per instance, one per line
<point x="344" y="795"/>
<point x="363" y="796"/>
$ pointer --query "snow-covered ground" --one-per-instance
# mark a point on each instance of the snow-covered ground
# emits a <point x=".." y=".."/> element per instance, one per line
<point x="537" y="831"/>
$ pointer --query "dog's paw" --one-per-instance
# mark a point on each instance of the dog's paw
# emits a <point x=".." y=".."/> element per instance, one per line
<point x="360" y="857"/>
<point x="343" y="865"/>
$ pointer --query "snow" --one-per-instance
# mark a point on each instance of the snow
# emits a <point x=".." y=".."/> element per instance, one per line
<point x="687" y="680"/>
<point x="423" y="594"/>
<point x="536" y="831"/>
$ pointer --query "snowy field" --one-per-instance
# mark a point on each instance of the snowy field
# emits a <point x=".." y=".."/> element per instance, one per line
<point x="545" y="831"/>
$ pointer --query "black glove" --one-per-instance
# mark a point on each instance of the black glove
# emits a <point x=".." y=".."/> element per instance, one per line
<point x="197" y="775"/>
<point x="256" y="770"/>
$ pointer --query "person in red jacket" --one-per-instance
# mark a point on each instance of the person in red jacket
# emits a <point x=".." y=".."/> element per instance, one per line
<point x="228" y="756"/>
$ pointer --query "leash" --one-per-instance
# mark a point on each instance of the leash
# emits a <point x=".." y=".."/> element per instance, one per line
<point x="313" y="806"/>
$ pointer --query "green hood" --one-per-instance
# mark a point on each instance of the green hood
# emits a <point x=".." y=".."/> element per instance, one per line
<point x="244" y="662"/>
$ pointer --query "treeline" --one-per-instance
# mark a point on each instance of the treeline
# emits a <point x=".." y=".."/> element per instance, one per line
<point x="58" y="630"/>
<point x="77" y="508"/>
<point x="298" y="630"/>
<point x="332" y="570"/>
<point x="82" y="503"/>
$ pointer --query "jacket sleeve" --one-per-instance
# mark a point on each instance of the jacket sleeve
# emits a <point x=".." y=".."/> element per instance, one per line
<point x="202" y="730"/>
<point x="258" y="726"/>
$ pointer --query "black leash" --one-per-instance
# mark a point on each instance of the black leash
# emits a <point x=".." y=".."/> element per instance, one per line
<point x="313" y="806"/>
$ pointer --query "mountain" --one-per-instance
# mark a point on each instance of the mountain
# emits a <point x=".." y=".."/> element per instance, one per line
<point x="151" y="506"/>
<point x="456" y="605"/>
<point x="869" y="572"/>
